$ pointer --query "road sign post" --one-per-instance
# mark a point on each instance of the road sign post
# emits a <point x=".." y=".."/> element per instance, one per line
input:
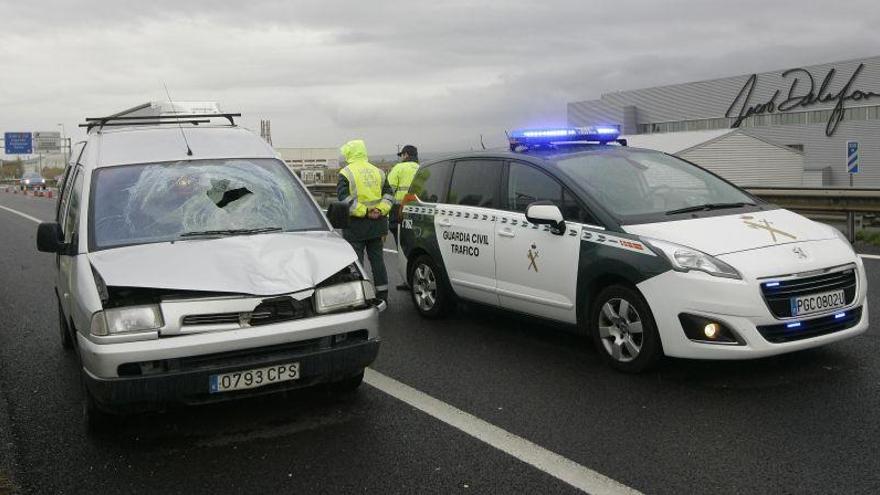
<point x="18" y="143"/>
<point x="852" y="159"/>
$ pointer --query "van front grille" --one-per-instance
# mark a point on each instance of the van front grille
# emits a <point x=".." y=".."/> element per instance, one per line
<point x="779" y="294"/>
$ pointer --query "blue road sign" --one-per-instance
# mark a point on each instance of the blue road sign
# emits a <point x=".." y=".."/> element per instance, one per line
<point x="18" y="143"/>
<point x="852" y="157"/>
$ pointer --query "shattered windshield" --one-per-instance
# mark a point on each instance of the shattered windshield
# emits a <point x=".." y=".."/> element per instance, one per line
<point x="134" y="204"/>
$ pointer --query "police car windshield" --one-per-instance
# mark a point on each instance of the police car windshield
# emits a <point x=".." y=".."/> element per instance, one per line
<point x="641" y="185"/>
<point x="135" y="204"/>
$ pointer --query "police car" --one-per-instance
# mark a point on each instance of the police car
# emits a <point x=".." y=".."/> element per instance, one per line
<point x="647" y="253"/>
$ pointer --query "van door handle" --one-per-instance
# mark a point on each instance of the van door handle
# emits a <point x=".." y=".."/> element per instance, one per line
<point x="445" y="223"/>
<point x="506" y="233"/>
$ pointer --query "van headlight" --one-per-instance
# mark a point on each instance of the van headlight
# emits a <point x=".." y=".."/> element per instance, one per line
<point x="685" y="259"/>
<point x="127" y="319"/>
<point x="348" y="295"/>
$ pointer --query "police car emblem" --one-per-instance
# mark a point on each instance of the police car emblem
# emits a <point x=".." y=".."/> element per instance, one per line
<point x="533" y="256"/>
<point x="763" y="224"/>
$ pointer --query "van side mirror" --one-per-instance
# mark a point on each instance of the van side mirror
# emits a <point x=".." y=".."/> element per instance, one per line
<point x="50" y="239"/>
<point x="546" y="213"/>
<point x="338" y="214"/>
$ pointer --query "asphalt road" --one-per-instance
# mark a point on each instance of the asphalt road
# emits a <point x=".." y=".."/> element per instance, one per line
<point x="801" y="423"/>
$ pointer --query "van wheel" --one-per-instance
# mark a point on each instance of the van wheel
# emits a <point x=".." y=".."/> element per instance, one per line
<point x="348" y="385"/>
<point x="623" y="330"/>
<point x="429" y="290"/>
<point x="64" y="328"/>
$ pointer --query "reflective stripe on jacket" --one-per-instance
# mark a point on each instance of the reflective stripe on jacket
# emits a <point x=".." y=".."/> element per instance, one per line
<point x="401" y="177"/>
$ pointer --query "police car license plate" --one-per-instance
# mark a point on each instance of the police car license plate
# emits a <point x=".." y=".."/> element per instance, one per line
<point x="257" y="377"/>
<point x="816" y="303"/>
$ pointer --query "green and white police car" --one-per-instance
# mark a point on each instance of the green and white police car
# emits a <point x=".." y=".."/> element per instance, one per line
<point x="647" y="253"/>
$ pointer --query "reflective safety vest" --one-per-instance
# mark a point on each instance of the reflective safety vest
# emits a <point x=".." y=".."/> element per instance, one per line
<point x="401" y="177"/>
<point x="365" y="183"/>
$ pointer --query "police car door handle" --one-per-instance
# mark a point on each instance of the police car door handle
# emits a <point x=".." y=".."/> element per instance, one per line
<point x="506" y="233"/>
<point x="445" y="223"/>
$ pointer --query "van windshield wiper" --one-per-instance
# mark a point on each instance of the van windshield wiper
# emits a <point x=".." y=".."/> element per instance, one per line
<point x="709" y="206"/>
<point x="209" y="233"/>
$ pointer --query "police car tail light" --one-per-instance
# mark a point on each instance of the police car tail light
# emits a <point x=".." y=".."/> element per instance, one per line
<point x="686" y="259"/>
<point x="563" y="135"/>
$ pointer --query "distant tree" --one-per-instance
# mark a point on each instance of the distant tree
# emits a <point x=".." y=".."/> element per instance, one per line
<point x="52" y="172"/>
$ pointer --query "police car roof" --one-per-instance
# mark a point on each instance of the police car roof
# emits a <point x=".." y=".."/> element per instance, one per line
<point x="165" y="143"/>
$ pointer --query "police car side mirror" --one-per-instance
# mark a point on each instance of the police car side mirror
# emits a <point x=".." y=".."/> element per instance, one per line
<point x="338" y="215"/>
<point x="50" y="239"/>
<point x="546" y="213"/>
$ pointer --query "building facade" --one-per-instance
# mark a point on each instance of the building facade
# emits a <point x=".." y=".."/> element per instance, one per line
<point x="312" y="165"/>
<point x="814" y="110"/>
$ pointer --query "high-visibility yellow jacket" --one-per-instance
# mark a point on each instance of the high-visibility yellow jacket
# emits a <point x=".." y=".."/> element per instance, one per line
<point x="367" y="188"/>
<point x="400" y="178"/>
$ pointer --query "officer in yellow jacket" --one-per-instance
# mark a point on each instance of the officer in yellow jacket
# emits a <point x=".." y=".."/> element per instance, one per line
<point x="365" y="188"/>
<point x="400" y="178"/>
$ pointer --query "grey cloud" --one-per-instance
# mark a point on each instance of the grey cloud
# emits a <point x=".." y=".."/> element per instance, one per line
<point x="437" y="74"/>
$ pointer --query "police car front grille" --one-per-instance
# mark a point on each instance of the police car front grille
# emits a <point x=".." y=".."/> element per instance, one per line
<point x="825" y="325"/>
<point x="779" y="297"/>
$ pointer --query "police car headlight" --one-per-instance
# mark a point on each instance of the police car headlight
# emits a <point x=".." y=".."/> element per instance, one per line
<point x="685" y="259"/>
<point x="128" y="319"/>
<point x="348" y="295"/>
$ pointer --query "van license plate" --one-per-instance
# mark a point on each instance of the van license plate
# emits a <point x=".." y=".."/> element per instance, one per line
<point x="257" y="377"/>
<point x="816" y="303"/>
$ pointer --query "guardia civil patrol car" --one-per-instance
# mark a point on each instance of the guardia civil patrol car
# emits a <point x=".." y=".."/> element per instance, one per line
<point x="649" y="254"/>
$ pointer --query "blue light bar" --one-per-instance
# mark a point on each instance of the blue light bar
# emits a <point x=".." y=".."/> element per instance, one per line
<point x="793" y="325"/>
<point x="562" y="135"/>
<point x="839" y="316"/>
<point x="771" y="284"/>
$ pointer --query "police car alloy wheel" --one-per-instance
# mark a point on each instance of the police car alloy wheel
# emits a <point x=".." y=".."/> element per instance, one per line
<point x="428" y="288"/>
<point x="624" y="331"/>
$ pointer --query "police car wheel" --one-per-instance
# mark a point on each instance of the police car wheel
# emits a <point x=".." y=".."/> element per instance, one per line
<point x="428" y="289"/>
<point x="624" y="330"/>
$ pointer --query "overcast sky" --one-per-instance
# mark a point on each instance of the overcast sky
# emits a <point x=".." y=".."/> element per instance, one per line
<point x="436" y="74"/>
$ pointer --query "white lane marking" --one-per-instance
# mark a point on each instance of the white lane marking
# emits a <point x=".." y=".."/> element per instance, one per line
<point x="869" y="256"/>
<point x="549" y="462"/>
<point x="25" y="215"/>
<point x="389" y="250"/>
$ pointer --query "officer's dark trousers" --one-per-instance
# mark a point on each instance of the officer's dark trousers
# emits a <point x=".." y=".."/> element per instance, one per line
<point x="377" y="260"/>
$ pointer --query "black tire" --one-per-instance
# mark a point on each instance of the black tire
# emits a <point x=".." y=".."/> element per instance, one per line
<point x="64" y="329"/>
<point x="96" y="417"/>
<point x="429" y="288"/>
<point x="624" y="333"/>
<point x="348" y="385"/>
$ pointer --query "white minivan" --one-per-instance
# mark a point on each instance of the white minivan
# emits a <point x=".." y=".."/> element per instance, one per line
<point x="194" y="266"/>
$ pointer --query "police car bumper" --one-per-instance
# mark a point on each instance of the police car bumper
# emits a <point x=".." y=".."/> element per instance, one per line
<point x="693" y="298"/>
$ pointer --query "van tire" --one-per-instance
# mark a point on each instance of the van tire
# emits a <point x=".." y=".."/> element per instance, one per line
<point x="429" y="289"/>
<point x="623" y="329"/>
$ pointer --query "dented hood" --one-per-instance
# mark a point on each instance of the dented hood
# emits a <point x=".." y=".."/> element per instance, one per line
<point x="718" y="235"/>
<point x="263" y="265"/>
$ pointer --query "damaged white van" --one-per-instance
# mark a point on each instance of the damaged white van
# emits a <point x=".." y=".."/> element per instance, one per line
<point x="193" y="266"/>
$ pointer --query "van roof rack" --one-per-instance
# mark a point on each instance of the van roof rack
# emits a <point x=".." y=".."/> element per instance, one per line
<point x="129" y="120"/>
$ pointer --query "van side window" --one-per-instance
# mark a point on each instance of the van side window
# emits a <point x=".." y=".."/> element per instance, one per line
<point x="475" y="183"/>
<point x="74" y="203"/>
<point x="431" y="182"/>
